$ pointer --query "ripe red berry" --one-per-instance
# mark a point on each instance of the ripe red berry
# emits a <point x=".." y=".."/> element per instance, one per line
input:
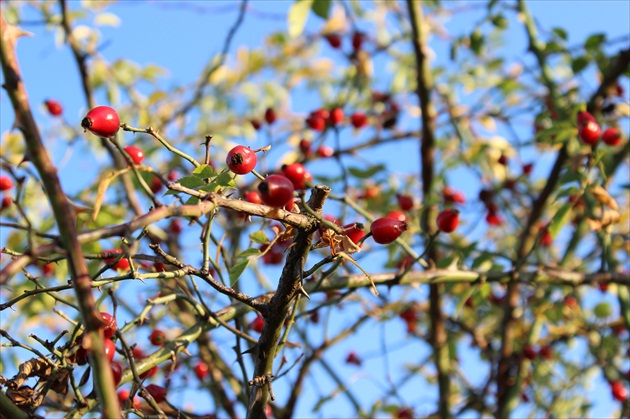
<point x="117" y="371"/>
<point x="405" y="202"/>
<point x="545" y="238"/>
<point x="570" y="301"/>
<point x="583" y="116"/>
<point x="270" y="116"/>
<point x="405" y="413"/>
<point x="6" y="183"/>
<point x="589" y="132"/>
<point x="493" y="218"/>
<point x="157" y="392"/>
<point x="257" y="324"/>
<point x="355" y="232"/>
<point x="397" y="215"/>
<point x="529" y="352"/>
<point x="334" y="40"/>
<point x="276" y="191"/>
<point x="611" y="137"/>
<point x="447" y="220"/>
<point x="321" y="113"/>
<point x="156" y="184"/>
<point x="386" y="230"/>
<point x="109" y="329"/>
<point x="102" y="121"/>
<point x="173" y="175"/>
<point x="353" y="359"/>
<point x="136" y="154"/>
<point x="253" y="197"/>
<point x="157" y="337"/>
<point x="255" y="123"/>
<point x="201" y="370"/>
<point x="316" y="122"/>
<point x="336" y="116"/>
<point x="48" y="269"/>
<point x="297" y="174"/>
<point x="619" y="392"/>
<point x="110" y="350"/>
<point x="273" y="256"/>
<point x="123" y="263"/>
<point x="325" y="151"/>
<point x="357" y="40"/>
<point x="305" y="147"/>
<point x="176" y="226"/>
<point x="123" y="398"/>
<point x="527" y="168"/>
<point x="6" y="202"/>
<point x="54" y="107"/>
<point x="241" y="160"/>
<point x="545" y="352"/>
<point x="358" y="120"/>
<point x="452" y="196"/>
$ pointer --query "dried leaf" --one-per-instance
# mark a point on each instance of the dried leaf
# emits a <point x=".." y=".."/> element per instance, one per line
<point x="603" y="196"/>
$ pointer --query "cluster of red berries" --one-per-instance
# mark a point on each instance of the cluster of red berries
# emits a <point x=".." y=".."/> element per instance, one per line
<point x="590" y="132"/>
<point x="335" y="40"/>
<point x="6" y="184"/>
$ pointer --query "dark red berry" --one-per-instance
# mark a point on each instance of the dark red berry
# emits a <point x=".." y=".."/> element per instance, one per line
<point x="176" y="226"/>
<point x="157" y="338"/>
<point x="386" y="230"/>
<point x="305" y="147"/>
<point x="255" y="123"/>
<point x="270" y="116"/>
<point x="325" y="151"/>
<point x="117" y="371"/>
<point x="54" y="107"/>
<point x="123" y="263"/>
<point x="257" y="324"/>
<point x="316" y="122"/>
<point x="397" y="215"/>
<point x="109" y="329"/>
<point x="405" y="202"/>
<point x="355" y="232"/>
<point x="157" y="392"/>
<point x="529" y="352"/>
<point x="358" y="120"/>
<point x="276" y="191"/>
<point x="6" y="183"/>
<point x="451" y="196"/>
<point x="136" y="154"/>
<point x="110" y="350"/>
<point x="589" y="132"/>
<point x="156" y="184"/>
<point x="357" y="40"/>
<point x="503" y="160"/>
<point x="527" y="168"/>
<point x="545" y="352"/>
<point x="619" y="391"/>
<point x="447" y="220"/>
<point x="241" y="160"/>
<point x="353" y="359"/>
<point x="493" y="218"/>
<point x="334" y="40"/>
<point x="583" y="116"/>
<point x="102" y="121"/>
<point x="173" y="175"/>
<point x="273" y="256"/>
<point x="48" y="269"/>
<point x="611" y="137"/>
<point x="297" y="174"/>
<point x="201" y="370"/>
<point x="123" y="398"/>
<point x="545" y="238"/>
<point x="6" y="202"/>
<point x="253" y="197"/>
<point x="336" y="116"/>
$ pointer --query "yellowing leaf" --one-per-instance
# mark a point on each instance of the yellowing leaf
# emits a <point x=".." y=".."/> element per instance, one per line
<point x="107" y="19"/>
<point x="337" y="21"/>
<point x="298" y="14"/>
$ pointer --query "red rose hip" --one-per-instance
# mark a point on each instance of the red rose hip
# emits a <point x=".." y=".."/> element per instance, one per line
<point x="110" y="327"/>
<point x="102" y="121"/>
<point x="611" y="137"/>
<point x="297" y="174"/>
<point x="136" y="154"/>
<point x="157" y="338"/>
<point x="336" y="116"/>
<point x="589" y="132"/>
<point x="276" y="191"/>
<point x="270" y="116"/>
<point x="157" y="392"/>
<point x="54" y="107"/>
<point x="448" y="220"/>
<point x="241" y="160"/>
<point x="6" y="183"/>
<point x="358" y="120"/>
<point x="386" y="230"/>
<point x="334" y="40"/>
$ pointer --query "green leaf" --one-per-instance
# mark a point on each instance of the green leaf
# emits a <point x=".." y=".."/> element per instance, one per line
<point x="321" y="8"/>
<point x="298" y="14"/>
<point x="211" y="187"/>
<point x="225" y="179"/>
<point x="366" y="173"/>
<point x="193" y="200"/>
<point x="578" y="64"/>
<point x="248" y="253"/>
<point x="191" y="182"/>
<point x="259" y="237"/>
<point x="560" y="218"/>
<point x="237" y="270"/>
<point x="448" y="262"/>
<point x="204" y="171"/>
<point x="560" y="33"/>
<point x="602" y="310"/>
<point x="467" y="294"/>
<point x="476" y="42"/>
<point x="594" y="41"/>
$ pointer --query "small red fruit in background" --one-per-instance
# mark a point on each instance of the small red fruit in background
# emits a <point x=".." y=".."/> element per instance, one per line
<point x="619" y="392"/>
<point x="611" y="137"/>
<point x="334" y="40"/>
<point x="157" y="337"/>
<point x="110" y="350"/>
<point x="48" y="269"/>
<point x="305" y="147"/>
<point x="297" y="174"/>
<point x="410" y="318"/>
<point x="545" y="238"/>
<point x="241" y="160"/>
<point x="54" y="107"/>
<point x="102" y="121"/>
<point x="136" y="154"/>
<point x="583" y="116"/>
<point x="255" y="123"/>
<point x="570" y="301"/>
<point x="397" y="215"/>
<point x="527" y="168"/>
<point x="355" y="232"/>
<point x="257" y="324"/>
<point x="589" y="132"/>
<point x="157" y="392"/>
<point x="176" y="226"/>
<point x="173" y="175"/>
<point x="358" y="120"/>
<point x="336" y="116"/>
<point x="276" y="191"/>
<point x="405" y="202"/>
<point x="325" y="151"/>
<point x="123" y="263"/>
<point x="529" y="352"/>
<point x="156" y="184"/>
<point x="357" y="40"/>
<point x="110" y="327"/>
<point x="404" y="413"/>
<point x="452" y="196"/>
<point x="447" y="220"/>
<point x="273" y="256"/>
<point x="201" y="370"/>
<point x="6" y="202"/>
<point x="6" y="183"/>
<point x="270" y="116"/>
<point x="253" y="197"/>
<point x="503" y="160"/>
<point x="353" y="359"/>
<point x="386" y="230"/>
<point x="316" y="122"/>
<point x="545" y="352"/>
<point x="493" y="218"/>
<point x="117" y="371"/>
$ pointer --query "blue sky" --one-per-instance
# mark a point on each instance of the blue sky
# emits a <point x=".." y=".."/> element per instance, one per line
<point x="181" y="36"/>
